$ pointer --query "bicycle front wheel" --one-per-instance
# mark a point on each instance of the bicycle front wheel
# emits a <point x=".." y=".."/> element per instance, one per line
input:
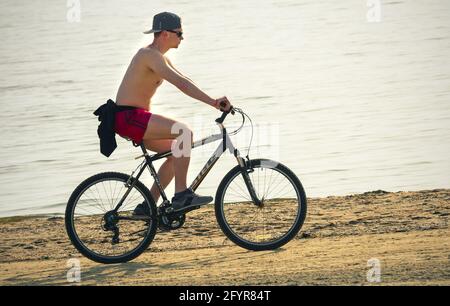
<point x="100" y="231"/>
<point x="267" y="226"/>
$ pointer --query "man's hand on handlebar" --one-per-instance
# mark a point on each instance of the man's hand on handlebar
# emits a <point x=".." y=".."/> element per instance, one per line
<point x="223" y="104"/>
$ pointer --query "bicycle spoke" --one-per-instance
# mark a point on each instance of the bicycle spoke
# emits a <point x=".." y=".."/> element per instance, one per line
<point x="133" y="198"/>
<point x="268" y="185"/>
<point x="98" y="204"/>
<point x="266" y="224"/>
<point x="89" y="219"/>
<point x="100" y="198"/>
<point x="279" y="179"/>
<point x="108" y="201"/>
<point x="280" y="193"/>
<point x="85" y="209"/>
<point x="240" y="194"/>
<point x="115" y="195"/>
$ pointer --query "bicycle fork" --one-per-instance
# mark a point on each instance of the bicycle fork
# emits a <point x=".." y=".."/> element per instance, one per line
<point x="245" y="169"/>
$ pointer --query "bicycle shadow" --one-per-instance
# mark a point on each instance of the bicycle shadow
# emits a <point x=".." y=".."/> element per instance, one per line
<point x="97" y="275"/>
<point x="214" y="258"/>
<point x="112" y="274"/>
<point x="29" y="279"/>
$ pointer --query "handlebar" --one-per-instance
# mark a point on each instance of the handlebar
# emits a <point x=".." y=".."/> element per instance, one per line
<point x="224" y="114"/>
<point x="234" y="110"/>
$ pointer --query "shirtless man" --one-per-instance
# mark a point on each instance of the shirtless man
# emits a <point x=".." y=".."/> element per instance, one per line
<point x="145" y="74"/>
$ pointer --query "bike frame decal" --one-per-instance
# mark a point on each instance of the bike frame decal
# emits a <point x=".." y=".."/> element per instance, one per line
<point x="210" y="163"/>
<point x="225" y="144"/>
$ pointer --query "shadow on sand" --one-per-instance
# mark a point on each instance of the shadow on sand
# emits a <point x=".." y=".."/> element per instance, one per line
<point x="113" y="274"/>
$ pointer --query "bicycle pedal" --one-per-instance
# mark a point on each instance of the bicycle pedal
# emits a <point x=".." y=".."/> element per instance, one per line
<point x="188" y="209"/>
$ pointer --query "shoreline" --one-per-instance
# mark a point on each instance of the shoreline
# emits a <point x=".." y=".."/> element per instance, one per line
<point x="407" y="231"/>
<point x="13" y="218"/>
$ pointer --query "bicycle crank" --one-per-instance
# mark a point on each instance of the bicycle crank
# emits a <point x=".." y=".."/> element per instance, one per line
<point x="168" y="221"/>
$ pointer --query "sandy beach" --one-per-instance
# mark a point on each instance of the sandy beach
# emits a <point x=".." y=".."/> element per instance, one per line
<point x="407" y="233"/>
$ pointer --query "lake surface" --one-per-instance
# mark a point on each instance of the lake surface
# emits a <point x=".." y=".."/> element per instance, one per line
<point x="349" y="104"/>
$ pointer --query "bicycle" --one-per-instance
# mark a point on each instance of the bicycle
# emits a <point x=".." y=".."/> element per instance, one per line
<point x="254" y="215"/>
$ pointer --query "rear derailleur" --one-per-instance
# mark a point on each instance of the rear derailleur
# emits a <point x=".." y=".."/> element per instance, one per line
<point x="110" y="220"/>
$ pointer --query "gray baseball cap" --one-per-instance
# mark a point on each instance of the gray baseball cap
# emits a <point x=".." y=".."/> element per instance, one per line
<point x="165" y="21"/>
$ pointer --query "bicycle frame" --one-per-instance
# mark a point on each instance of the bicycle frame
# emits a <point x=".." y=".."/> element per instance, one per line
<point x="225" y="144"/>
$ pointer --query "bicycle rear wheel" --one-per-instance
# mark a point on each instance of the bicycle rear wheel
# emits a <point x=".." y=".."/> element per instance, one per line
<point x="270" y="225"/>
<point x="98" y="231"/>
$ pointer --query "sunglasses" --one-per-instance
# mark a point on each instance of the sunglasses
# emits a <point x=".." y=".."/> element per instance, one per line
<point x="179" y="34"/>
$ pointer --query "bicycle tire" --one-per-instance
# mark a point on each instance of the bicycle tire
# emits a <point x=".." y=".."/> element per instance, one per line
<point x="236" y="238"/>
<point x="74" y="237"/>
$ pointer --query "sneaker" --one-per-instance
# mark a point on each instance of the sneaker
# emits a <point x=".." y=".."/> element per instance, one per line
<point x="141" y="210"/>
<point x="188" y="199"/>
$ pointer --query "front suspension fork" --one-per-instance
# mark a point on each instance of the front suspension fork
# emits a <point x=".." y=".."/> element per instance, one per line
<point x="246" y="168"/>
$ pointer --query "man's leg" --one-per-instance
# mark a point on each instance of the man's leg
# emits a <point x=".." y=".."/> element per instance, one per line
<point x="166" y="171"/>
<point x="162" y="128"/>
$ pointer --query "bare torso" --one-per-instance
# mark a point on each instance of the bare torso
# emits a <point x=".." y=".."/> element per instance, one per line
<point x="139" y="83"/>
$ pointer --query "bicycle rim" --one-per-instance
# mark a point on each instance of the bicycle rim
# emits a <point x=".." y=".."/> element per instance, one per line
<point x="88" y="220"/>
<point x="272" y="224"/>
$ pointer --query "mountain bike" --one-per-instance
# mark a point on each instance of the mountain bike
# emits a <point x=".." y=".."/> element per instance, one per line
<point x="260" y="204"/>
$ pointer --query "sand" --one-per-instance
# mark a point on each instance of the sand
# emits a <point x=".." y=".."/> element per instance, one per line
<point x="343" y="240"/>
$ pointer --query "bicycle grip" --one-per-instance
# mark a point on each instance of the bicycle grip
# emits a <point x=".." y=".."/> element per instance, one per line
<point x="223" y="104"/>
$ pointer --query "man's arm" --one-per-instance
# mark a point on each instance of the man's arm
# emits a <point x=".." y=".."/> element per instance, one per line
<point x="158" y="63"/>
<point x="171" y="65"/>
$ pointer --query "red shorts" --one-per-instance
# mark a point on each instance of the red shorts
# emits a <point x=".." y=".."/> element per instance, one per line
<point x="132" y="123"/>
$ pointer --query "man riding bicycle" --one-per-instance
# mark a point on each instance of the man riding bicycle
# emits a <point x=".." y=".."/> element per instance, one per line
<point x="146" y="72"/>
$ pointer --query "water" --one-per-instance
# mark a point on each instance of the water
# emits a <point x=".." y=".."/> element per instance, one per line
<point x="349" y="105"/>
